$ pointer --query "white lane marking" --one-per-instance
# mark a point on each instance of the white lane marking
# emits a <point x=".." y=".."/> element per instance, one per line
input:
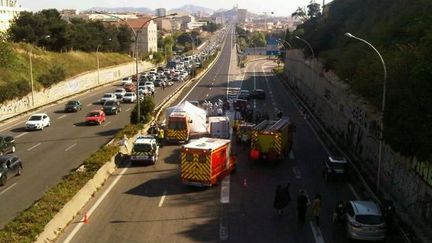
<point x="297" y="172"/>
<point x="210" y="88"/>
<point x="162" y="199"/>
<point x="90" y="104"/>
<point x="128" y="109"/>
<point x="353" y="191"/>
<point x="68" y="148"/>
<point x="22" y="134"/>
<point x="317" y="233"/>
<point x="106" y="124"/>
<point x="32" y="147"/>
<point x="7" y="189"/>
<point x="225" y="190"/>
<point x="60" y="117"/>
<point x="93" y="208"/>
<point x="223" y="229"/>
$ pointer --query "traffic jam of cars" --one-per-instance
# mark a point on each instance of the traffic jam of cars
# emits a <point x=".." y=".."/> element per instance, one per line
<point x="132" y="88"/>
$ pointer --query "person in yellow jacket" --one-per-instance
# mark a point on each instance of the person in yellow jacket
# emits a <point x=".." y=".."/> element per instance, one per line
<point x="161" y="137"/>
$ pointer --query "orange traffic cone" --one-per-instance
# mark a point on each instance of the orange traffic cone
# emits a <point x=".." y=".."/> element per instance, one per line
<point x="85" y="220"/>
<point x="244" y="182"/>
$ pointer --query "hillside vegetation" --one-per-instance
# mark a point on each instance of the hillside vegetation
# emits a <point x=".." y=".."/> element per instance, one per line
<point x="402" y="31"/>
<point x="48" y="67"/>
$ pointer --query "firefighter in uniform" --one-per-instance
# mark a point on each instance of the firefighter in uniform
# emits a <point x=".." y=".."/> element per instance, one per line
<point x="161" y="137"/>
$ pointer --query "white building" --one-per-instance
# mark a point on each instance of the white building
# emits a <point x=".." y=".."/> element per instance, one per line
<point x="8" y="11"/>
<point x="195" y="25"/>
<point x="147" y="36"/>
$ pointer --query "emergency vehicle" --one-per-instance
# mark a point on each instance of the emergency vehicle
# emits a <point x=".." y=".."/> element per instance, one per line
<point x="205" y="161"/>
<point x="272" y="139"/>
<point x="178" y="127"/>
<point x="145" y="149"/>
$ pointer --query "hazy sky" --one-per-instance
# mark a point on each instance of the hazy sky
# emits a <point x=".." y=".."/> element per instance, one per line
<point x="279" y="7"/>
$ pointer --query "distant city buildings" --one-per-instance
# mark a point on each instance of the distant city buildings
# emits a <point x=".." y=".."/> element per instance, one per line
<point x="242" y="15"/>
<point x="160" y="12"/>
<point x="8" y="11"/>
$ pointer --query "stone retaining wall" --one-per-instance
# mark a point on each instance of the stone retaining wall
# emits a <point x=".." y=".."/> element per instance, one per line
<point x="354" y="123"/>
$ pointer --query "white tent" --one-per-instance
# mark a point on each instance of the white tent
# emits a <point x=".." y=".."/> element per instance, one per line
<point x="196" y="114"/>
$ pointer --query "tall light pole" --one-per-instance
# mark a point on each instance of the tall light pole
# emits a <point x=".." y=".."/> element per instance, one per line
<point x="307" y="43"/>
<point x="97" y="60"/>
<point x="31" y="66"/>
<point x="135" y="33"/>
<point x="381" y="133"/>
<point x="281" y="40"/>
<point x="193" y="41"/>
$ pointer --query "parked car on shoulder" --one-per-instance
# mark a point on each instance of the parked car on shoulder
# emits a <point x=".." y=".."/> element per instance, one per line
<point x="10" y="165"/>
<point x="73" y="106"/>
<point x="7" y="144"/>
<point x="38" y="121"/>
<point x="364" y="221"/>
<point x="111" y="107"/>
<point x="95" y="117"/>
<point x="129" y="97"/>
<point x="108" y="96"/>
<point x="257" y="94"/>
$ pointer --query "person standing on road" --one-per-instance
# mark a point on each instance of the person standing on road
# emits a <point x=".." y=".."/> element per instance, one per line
<point x="124" y="149"/>
<point x="302" y="201"/>
<point x="316" y="208"/>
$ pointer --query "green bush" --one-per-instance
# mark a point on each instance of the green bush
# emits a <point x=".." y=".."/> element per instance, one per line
<point x="55" y="74"/>
<point x="147" y="106"/>
<point x="129" y="130"/>
<point x="7" y="54"/>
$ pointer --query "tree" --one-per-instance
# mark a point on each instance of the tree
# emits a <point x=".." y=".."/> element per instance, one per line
<point x="147" y="106"/>
<point x="314" y="10"/>
<point x="300" y="13"/>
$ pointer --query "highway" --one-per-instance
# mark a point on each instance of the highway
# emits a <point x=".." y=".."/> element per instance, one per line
<point x="50" y="154"/>
<point x="150" y="204"/>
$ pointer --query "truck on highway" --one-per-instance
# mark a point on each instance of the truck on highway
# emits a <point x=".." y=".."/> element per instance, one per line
<point x="271" y="140"/>
<point x="205" y="161"/>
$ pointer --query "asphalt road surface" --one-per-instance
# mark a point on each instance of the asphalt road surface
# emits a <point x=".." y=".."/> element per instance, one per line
<point x="150" y="204"/>
<point x="50" y="154"/>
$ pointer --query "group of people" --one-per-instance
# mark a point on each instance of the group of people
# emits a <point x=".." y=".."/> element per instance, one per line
<point x="283" y="198"/>
<point x="216" y="108"/>
<point x="157" y="132"/>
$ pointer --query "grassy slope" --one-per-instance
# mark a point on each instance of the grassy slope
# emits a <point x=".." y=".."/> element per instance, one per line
<point x="75" y="62"/>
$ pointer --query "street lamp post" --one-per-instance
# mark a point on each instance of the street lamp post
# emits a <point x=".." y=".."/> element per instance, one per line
<point x="97" y="60"/>
<point x="193" y="41"/>
<point x="381" y="133"/>
<point x="31" y="66"/>
<point x="135" y="33"/>
<point x="307" y="43"/>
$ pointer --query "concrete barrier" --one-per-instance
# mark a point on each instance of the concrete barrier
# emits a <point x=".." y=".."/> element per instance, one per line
<point x="69" y="87"/>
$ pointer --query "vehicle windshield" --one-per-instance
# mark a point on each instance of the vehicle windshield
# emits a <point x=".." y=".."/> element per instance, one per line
<point x="369" y="219"/>
<point x="177" y="125"/>
<point x="142" y="147"/>
<point x="93" y="114"/>
<point x="128" y="94"/>
<point x="119" y="91"/>
<point x="71" y="103"/>
<point x="338" y="166"/>
<point x="35" y="118"/>
<point x="109" y="103"/>
<point x="107" y="96"/>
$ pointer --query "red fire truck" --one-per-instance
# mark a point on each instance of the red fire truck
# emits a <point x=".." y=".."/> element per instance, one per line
<point x="205" y="161"/>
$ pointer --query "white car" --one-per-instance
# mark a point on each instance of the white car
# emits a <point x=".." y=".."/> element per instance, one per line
<point x="38" y="121"/>
<point x="120" y="92"/>
<point x="108" y="96"/>
<point x="126" y="80"/>
<point x="130" y="97"/>
<point x="149" y="86"/>
<point x="153" y="71"/>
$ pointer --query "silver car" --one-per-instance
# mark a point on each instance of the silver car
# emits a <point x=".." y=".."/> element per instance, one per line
<point x="365" y="221"/>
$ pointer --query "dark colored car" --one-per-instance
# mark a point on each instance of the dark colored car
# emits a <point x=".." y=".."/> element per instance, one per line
<point x="73" y="106"/>
<point x="159" y="83"/>
<point x="7" y="144"/>
<point x="335" y="168"/>
<point x="111" y="107"/>
<point x="244" y="94"/>
<point x="95" y="117"/>
<point x="10" y="165"/>
<point x="257" y="94"/>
